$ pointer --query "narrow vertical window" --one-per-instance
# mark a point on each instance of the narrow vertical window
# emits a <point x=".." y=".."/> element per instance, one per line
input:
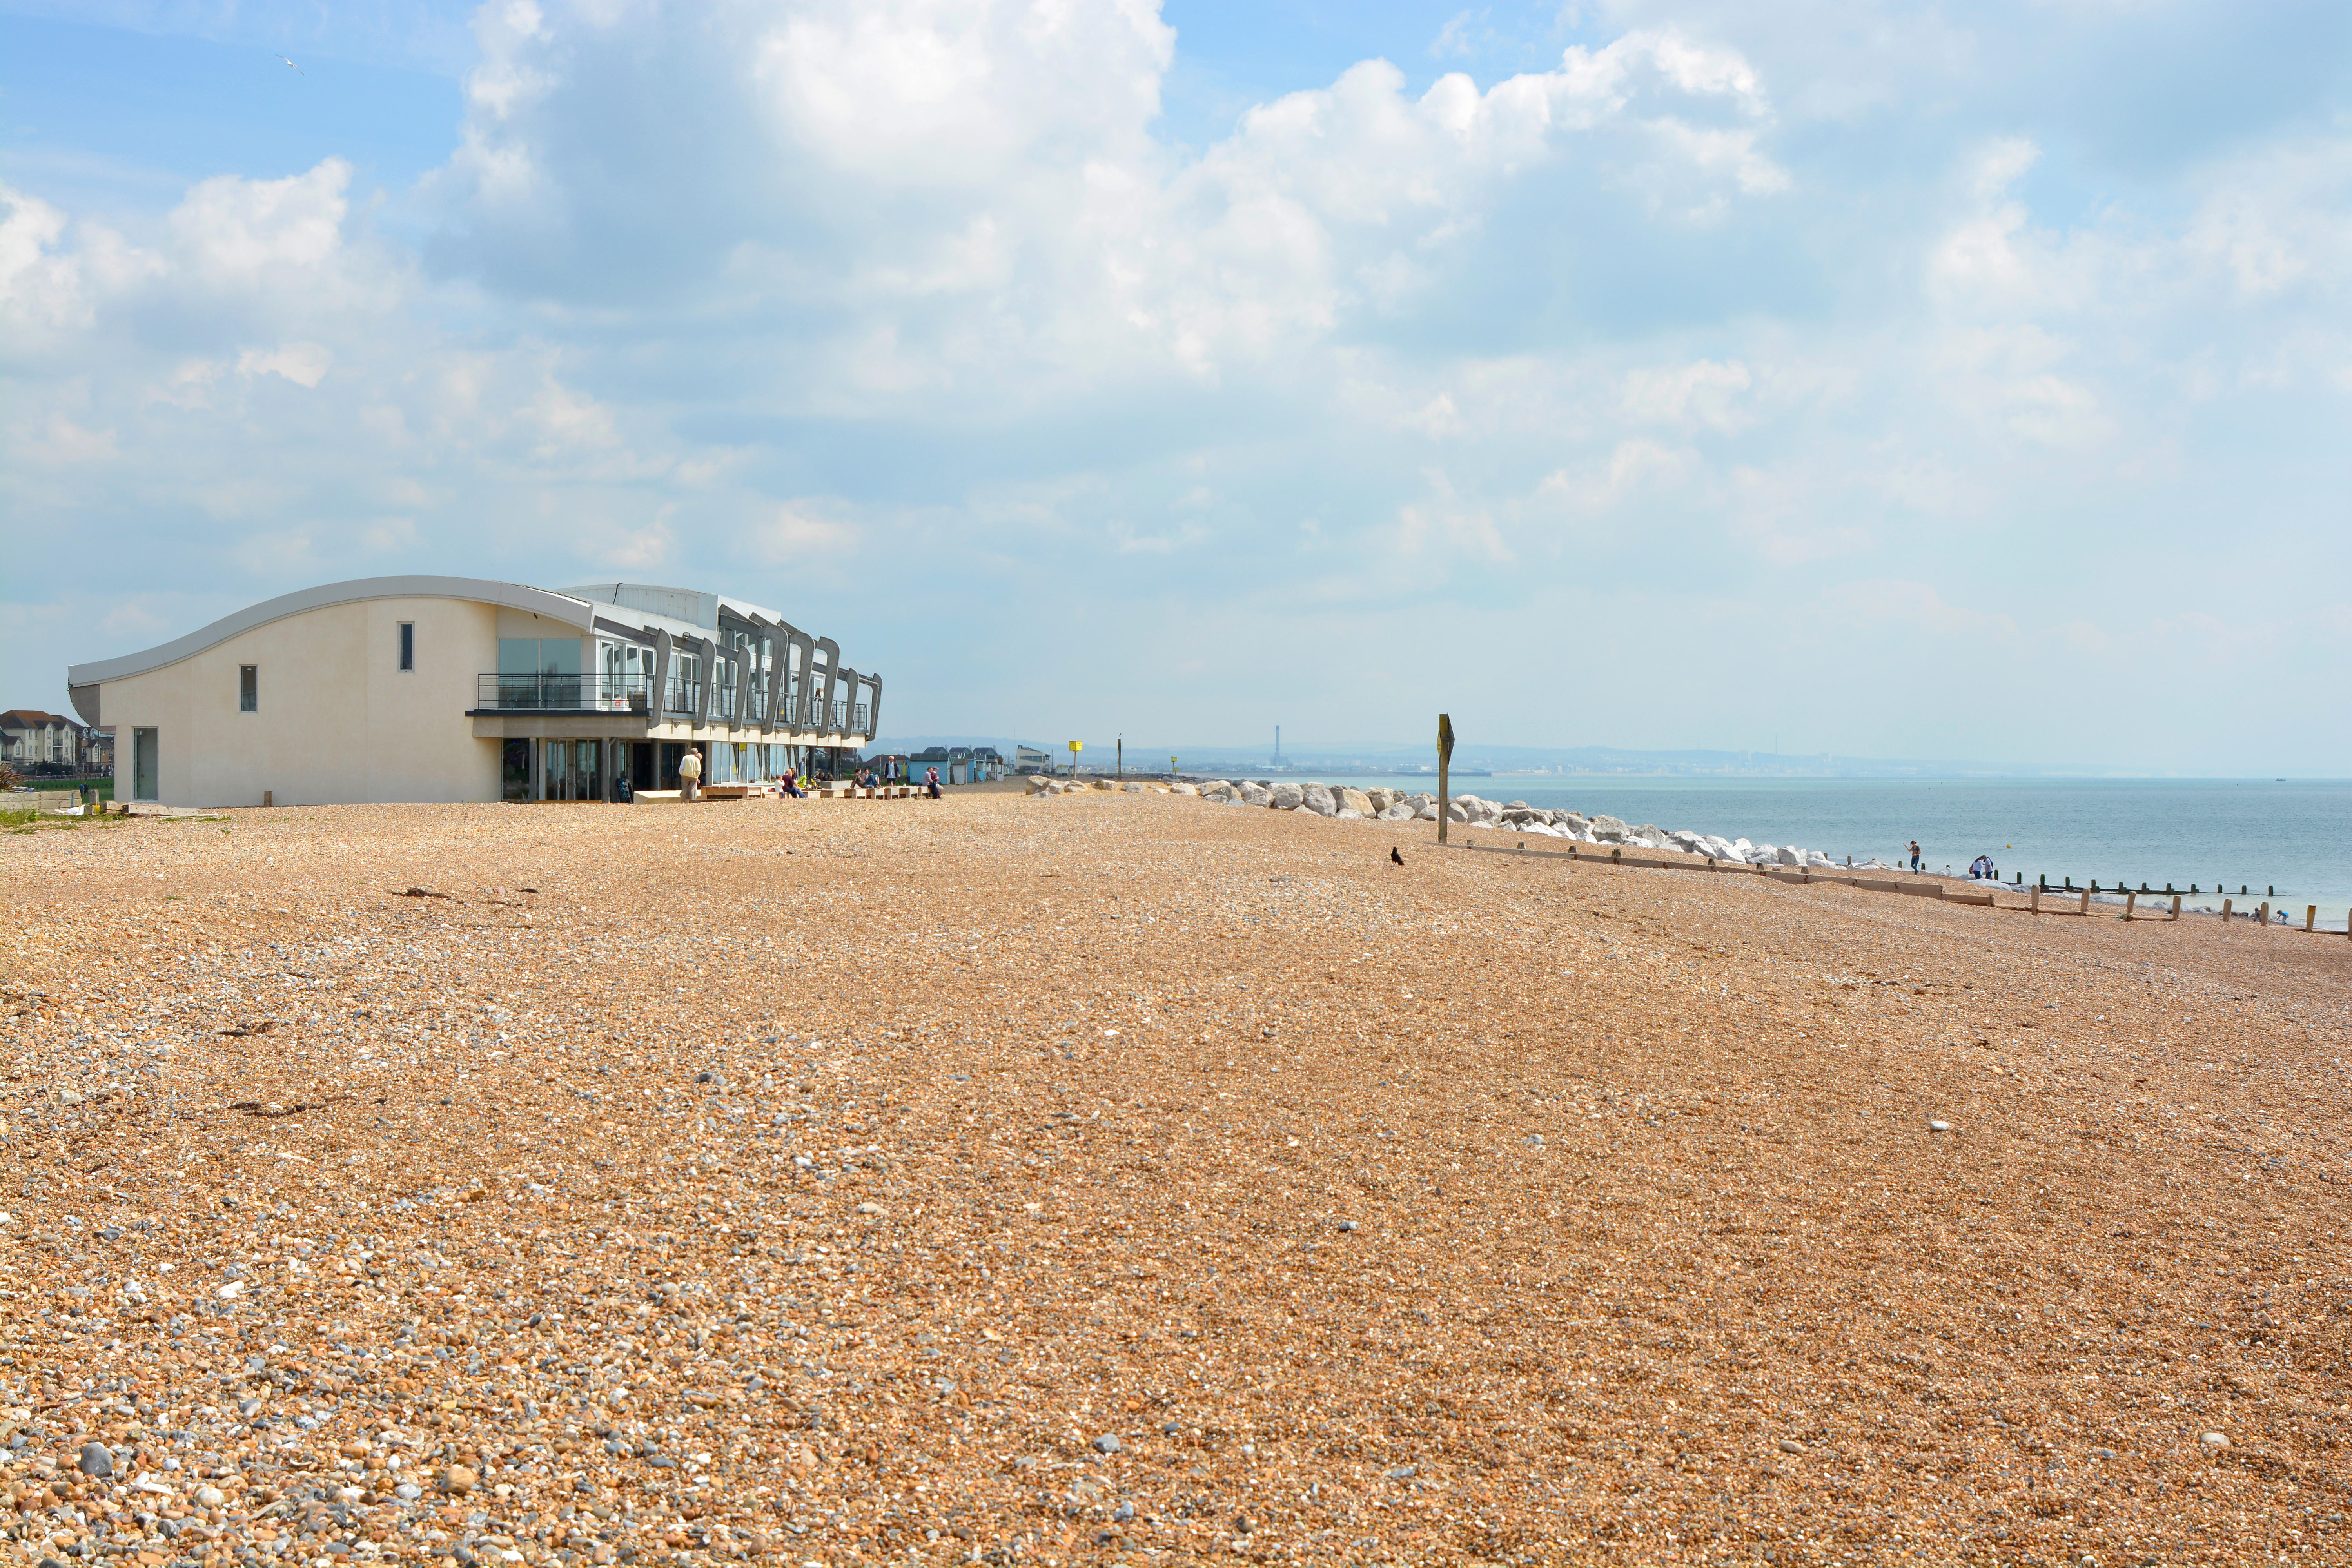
<point x="408" y="644"/>
<point x="248" y="687"/>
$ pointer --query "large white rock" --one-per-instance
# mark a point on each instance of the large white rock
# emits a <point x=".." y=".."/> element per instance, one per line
<point x="1382" y="799"/>
<point x="1184" y="789"/>
<point x="1317" y="798"/>
<point x="1455" y="811"/>
<point x="1256" y="794"/>
<point x="1426" y="812"/>
<point x="1355" y="800"/>
<point x="1288" y="797"/>
<point x="1792" y="856"/>
<point x="1817" y="860"/>
<point x="1606" y="829"/>
<point x="1397" y="811"/>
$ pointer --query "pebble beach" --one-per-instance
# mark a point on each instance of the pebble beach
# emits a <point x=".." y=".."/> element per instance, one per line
<point x="1114" y="1176"/>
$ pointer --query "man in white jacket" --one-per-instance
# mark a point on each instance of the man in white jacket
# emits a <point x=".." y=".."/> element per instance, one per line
<point x="689" y="774"/>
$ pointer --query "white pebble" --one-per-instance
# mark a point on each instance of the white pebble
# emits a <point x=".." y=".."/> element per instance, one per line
<point x="2215" y="1440"/>
<point x="1940" y="1127"/>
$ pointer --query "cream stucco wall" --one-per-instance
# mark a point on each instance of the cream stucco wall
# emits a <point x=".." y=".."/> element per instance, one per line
<point x="339" y="721"/>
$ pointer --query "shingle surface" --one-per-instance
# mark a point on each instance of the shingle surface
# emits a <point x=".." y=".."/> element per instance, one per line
<point x="827" y="1179"/>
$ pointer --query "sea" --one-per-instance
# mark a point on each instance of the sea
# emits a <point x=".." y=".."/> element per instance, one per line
<point x="2287" y="843"/>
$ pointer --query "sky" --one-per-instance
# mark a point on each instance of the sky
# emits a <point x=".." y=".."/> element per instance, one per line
<point x="1954" y="380"/>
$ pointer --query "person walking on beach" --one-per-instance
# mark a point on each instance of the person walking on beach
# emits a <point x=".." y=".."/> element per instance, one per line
<point x="689" y="774"/>
<point x="1914" y="855"/>
<point x="931" y="782"/>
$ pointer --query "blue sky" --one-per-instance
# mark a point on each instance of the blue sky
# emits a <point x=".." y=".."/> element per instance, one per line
<point x="1895" y="380"/>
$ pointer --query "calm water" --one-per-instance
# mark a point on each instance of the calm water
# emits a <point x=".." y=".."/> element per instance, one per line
<point x="2295" y="836"/>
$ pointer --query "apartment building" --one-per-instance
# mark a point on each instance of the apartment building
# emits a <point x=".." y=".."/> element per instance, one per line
<point x="448" y="688"/>
<point x="34" y="738"/>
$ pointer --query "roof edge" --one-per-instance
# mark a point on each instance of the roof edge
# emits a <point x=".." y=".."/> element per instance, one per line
<point x="481" y="590"/>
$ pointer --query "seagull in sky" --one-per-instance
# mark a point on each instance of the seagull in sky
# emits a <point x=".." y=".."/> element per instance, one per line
<point x="289" y="65"/>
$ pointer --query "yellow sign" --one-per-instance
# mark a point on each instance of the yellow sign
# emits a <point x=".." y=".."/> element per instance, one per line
<point x="1077" y="745"/>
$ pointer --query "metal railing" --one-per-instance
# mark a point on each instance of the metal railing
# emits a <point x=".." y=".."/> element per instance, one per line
<point x="560" y="693"/>
<point x="684" y="698"/>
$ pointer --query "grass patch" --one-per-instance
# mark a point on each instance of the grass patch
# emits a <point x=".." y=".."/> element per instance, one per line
<point x="26" y="820"/>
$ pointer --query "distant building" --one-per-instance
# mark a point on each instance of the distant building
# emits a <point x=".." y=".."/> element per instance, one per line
<point x="957" y="764"/>
<point x="447" y="688"/>
<point x="32" y="738"/>
<point x="1030" y="760"/>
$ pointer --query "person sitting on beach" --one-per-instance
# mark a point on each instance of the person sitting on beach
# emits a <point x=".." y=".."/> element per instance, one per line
<point x="791" y="784"/>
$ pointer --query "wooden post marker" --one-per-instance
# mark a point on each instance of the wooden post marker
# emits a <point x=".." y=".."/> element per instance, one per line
<point x="2311" y="917"/>
<point x="2225" y="912"/>
<point x="2176" y="906"/>
<point x="2131" y="902"/>
<point x="1445" y="756"/>
<point x="2035" y="907"/>
<point x="2086" y="909"/>
<point x="2265" y="916"/>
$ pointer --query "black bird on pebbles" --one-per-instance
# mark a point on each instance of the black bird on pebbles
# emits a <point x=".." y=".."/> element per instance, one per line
<point x="1394" y="856"/>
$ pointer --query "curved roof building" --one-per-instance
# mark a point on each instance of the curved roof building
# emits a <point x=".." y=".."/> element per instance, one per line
<point x="441" y="689"/>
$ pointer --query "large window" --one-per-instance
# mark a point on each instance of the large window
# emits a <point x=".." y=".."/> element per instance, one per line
<point x="539" y="672"/>
<point x="248" y="687"/>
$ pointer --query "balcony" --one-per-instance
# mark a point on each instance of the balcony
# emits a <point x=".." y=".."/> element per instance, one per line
<point x="560" y="693"/>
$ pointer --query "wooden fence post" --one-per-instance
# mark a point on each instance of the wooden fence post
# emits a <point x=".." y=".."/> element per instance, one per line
<point x="2310" y="917"/>
<point x="2225" y="912"/>
<point x="2176" y="906"/>
<point x="2131" y="902"/>
<point x="2086" y="909"/>
<point x="1445" y="756"/>
<point x="2035" y="893"/>
<point x="2265" y="916"/>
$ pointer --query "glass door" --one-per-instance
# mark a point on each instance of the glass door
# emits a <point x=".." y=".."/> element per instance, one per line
<point x="145" y="773"/>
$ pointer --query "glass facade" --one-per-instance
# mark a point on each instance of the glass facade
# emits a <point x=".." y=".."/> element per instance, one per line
<point x="570" y="770"/>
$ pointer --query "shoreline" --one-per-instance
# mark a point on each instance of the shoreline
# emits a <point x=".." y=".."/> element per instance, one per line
<point x="1471" y="810"/>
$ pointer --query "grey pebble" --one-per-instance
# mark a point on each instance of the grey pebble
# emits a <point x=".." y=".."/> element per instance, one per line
<point x="1124" y="1513"/>
<point x="95" y="1460"/>
<point x="1405" y="1472"/>
<point x="1106" y="1443"/>
<point x="1788" y="1445"/>
<point x="1170" y="1430"/>
<point x="1346" y="1225"/>
<point x="407" y="1491"/>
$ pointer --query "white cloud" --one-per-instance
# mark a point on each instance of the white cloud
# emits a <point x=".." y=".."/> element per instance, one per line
<point x="803" y="528"/>
<point x="304" y="364"/>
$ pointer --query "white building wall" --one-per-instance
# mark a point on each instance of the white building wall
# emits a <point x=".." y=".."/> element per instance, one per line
<point x="338" y="721"/>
